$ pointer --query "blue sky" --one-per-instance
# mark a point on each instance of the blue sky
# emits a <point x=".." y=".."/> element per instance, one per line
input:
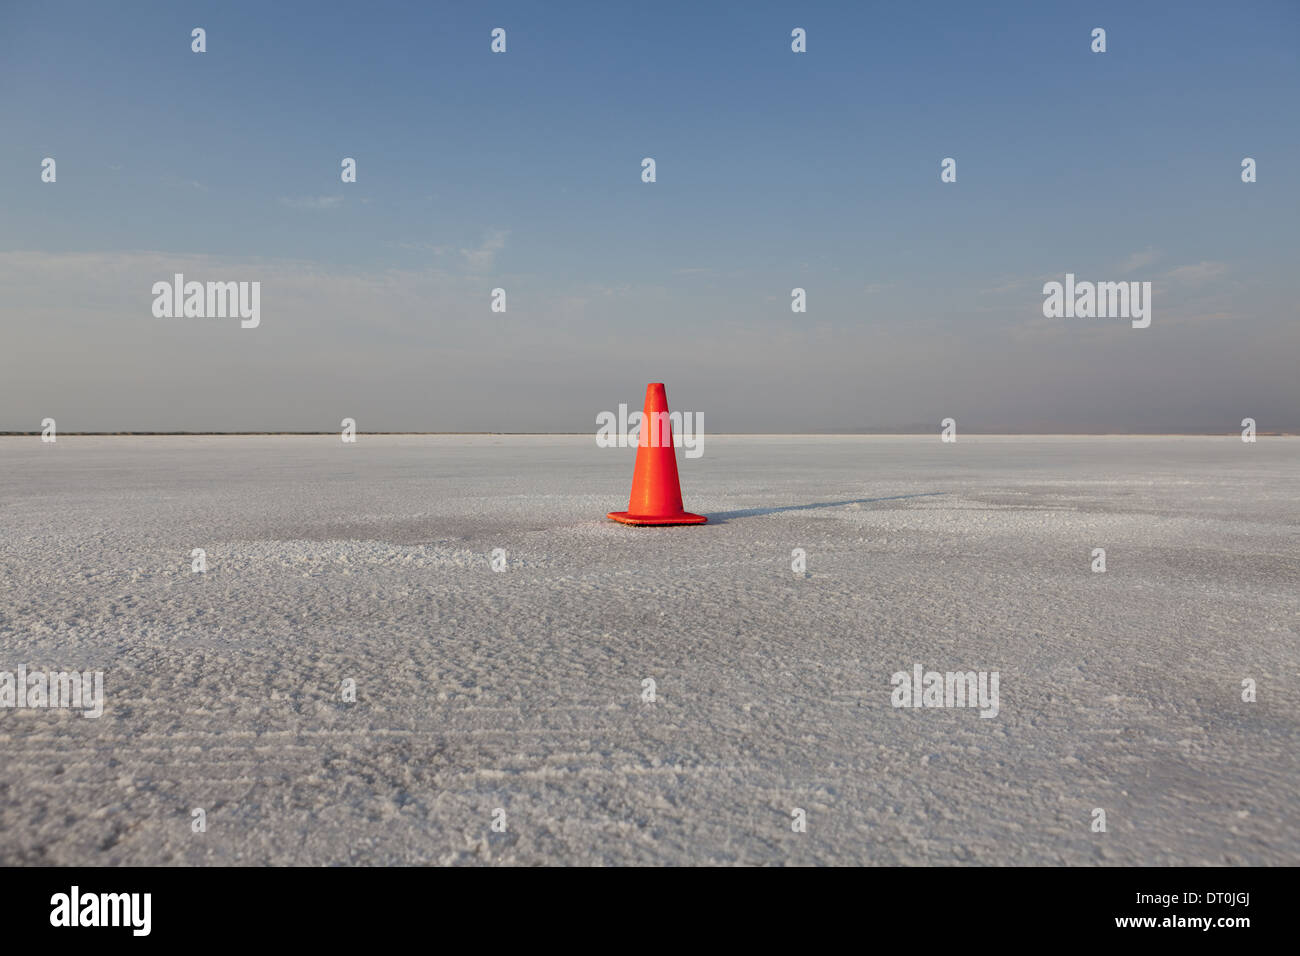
<point x="775" y="170"/>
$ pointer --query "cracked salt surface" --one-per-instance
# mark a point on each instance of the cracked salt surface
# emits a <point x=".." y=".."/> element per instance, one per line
<point x="521" y="689"/>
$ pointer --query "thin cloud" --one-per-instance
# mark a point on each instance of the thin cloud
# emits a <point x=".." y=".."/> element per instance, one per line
<point x="473" y="259"/>
<point x="1009" y="286"/>
<point x="311" y="202"/>
<point x="482" y="257"/>
<point x="1138" y="260"/>
<point x="1196" y="274"/>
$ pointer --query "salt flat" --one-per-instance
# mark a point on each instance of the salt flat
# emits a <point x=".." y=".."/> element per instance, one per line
<point x="522" y="689"/>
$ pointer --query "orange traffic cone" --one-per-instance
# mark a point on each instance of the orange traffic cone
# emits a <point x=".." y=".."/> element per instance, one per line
<point x="656" y="491"/>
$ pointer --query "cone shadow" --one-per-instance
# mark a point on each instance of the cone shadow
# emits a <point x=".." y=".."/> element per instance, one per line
<point x="721" y="517"/>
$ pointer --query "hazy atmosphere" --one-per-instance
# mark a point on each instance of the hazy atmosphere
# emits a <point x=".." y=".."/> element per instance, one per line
<point x="774" y="171"/>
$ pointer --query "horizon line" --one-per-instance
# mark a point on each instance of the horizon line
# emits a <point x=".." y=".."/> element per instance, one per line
<point x="830" y="434"/>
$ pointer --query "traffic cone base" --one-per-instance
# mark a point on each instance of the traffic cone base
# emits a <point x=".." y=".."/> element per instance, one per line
<point x="684" y="517"/>
<point x="656" y="497"/>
